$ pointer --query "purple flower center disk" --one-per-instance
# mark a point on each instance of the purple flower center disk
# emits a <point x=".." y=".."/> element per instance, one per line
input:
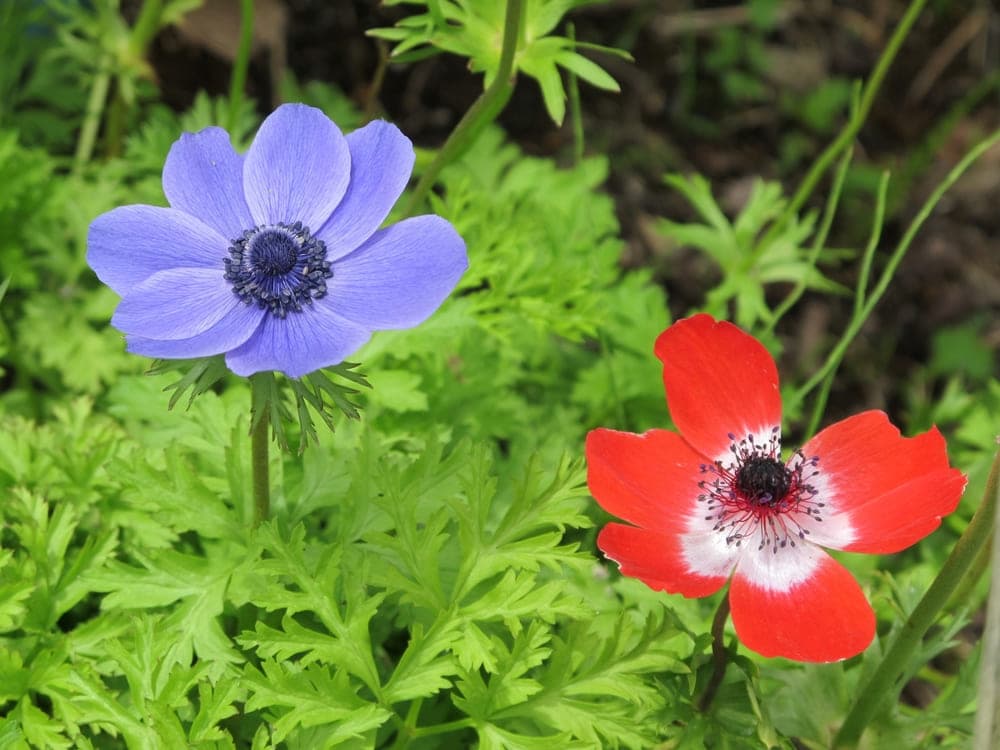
<point x="279" y="267"/>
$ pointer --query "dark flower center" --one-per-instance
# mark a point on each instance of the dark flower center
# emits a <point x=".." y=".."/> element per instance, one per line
<point x="273" y="253"/>
<point x="754" y="494"/>
<point x="763" y="480"/>
<point x="278" y="267"/>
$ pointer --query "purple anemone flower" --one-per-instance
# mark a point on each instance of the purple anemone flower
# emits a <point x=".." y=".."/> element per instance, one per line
<point x="275" y="258"/>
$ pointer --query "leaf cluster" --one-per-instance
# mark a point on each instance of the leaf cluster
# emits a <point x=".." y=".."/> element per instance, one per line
<point x="749" y="255"/>
<point x="474" y="29"/>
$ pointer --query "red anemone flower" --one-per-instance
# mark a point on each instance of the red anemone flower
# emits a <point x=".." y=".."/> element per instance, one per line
<point x="717" y="500"/>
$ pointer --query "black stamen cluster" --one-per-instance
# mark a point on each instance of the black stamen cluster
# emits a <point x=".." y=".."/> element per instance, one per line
<point x="763" y="480"/>
<point x="755" y="493"/>
<point x="279" y="267"/>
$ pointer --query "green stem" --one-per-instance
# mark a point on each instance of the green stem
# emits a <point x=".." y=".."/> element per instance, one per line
<point x="819" y="407"/>
<point x="146" y="26"/>
<point x="451" y="726"/>
<point x="114" y="124"/>
<point x="92" y="116"/>
<point x="859" y="298"/>
<point x="575" y="110"/>
<point x="819" y="241"/>
<point x="861" y="291"/>
<point x="378" y="79"/>
<point x="858" y="320"/>
<point x="886" y="680"/>
<point x="719" y="655"/>
<point x="259" y="445"/>
<point x="238" y="80"/>
<point x="986" y="730"/>
<point x="847" y="135"/>
<point x="406" y="727"/>
<point x="483" y="111"/>
<point x="963" y="595"/>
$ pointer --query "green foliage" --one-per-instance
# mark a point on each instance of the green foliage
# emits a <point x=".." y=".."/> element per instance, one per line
<point x="749" y="255"/>
<point x="474" y="29"/>
<point x="414" y="583"/>
<point x="428" y="576"/>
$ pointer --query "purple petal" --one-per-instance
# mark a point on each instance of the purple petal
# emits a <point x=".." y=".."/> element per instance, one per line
<point x="175" y="304"/>
<point x="297" y="167"/>
<point x="398" y="277"/>
<point x="235" y="328"/>
<point x="381" y="162"/>
<point x="297" y="344"/>
<point x="203" y="176"/>
<point x="127" y="245"/>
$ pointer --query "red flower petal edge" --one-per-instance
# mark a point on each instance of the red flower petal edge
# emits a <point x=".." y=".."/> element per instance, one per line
<point x="824" y="618"/>
<point x="650" y="480"/>
<point x="719" y="381"/>
<point x="887" y="491"/>
<point x="656" y="559"/>
<point x="718" y="499"/>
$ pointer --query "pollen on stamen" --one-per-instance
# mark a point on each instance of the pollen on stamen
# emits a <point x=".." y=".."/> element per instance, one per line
<point x="756" y="493"/>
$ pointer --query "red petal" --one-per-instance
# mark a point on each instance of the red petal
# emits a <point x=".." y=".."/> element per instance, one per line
<point x="887" y="490"/>
<point x="897" y="519"/>
<point x="719" y="380"/>
<point x="824" y="617"/>
<point x="650" y="480"/>
<point x="655" y="559"/>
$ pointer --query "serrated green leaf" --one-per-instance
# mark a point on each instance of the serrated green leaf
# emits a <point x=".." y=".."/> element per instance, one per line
<point x="311" y="697"/>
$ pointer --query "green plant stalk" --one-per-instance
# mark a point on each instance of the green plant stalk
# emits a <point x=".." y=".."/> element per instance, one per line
<point x="146" y="26"/>
<point x="884" y="681"/>
<point x="482" y="112"/>
<point x="854" y="123"/>
<point x="861" y="291"/>
<point x="451" y="726"/>
<point x="719" y="654"/>
<point x="259" y="445"/>
<point x="406" y="727"/>
<point x="986" y="733"/>
<point x="920" y="158"/>
<point x="241" y="65"/>
<point x="859" y="297"/>
<point x="378" y="79"/>
<point x="142" y="33"/>
<point x="575" y="110"/>
<point x="114" y="124"/>
<point x="92" y="115"/>
<point x="962" y="596"/>
<point x="833" y="200"/>
<point x="858" y="320"/>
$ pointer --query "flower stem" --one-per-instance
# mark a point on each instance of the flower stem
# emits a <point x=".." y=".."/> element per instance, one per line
<point x="238" y="80"/>
<point x="846" y="136"/>
<point x="92" y="116"/>
<point x="451" y="726"/>
<point x="259" y="445"/>
<point x="146" y="26"/>
<point x="378" y="79"/>
<point x="885" y="681"/>
<point x="719" y="655"/>
<point x="575" y="110"/>
<point x="987" y="726"/>
<point x="819" y="240"/>
<point x="861" y="315"/>
<point x="483" y="111"/>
